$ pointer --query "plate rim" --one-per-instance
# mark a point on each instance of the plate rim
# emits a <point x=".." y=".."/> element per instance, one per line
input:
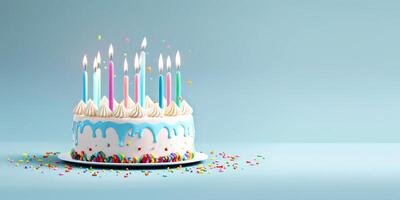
<point x="198" y="157"/>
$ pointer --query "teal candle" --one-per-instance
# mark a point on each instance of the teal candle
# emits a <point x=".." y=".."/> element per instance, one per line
<point x="85" y="87"/>
<point x="178" y="79"/>
<point x="161" y="91"/>
<point x="178" y="89"/>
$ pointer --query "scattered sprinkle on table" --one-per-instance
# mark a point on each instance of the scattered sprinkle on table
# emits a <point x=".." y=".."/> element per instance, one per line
<point x="218" y="162"/>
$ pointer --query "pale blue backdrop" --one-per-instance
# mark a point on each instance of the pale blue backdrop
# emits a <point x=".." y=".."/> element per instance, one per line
<point x="262" y="71"/>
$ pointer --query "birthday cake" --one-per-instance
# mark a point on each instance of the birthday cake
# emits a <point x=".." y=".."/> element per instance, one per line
<point x="140" y="131"/>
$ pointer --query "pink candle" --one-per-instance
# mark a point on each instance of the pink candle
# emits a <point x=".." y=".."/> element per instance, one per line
<point x="136" y="79"/>
<point x="168" y="80"/>
<point x="126" y="84"/>
<point x="111" y="79"/>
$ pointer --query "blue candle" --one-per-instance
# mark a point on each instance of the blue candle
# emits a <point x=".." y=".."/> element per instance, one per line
<point x="160" y="83"/>
<point x="84" y="80"/>
<point x="143" y="72"/>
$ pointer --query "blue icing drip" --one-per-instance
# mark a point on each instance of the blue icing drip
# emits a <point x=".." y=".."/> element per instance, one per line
<point x="129" y="128"/>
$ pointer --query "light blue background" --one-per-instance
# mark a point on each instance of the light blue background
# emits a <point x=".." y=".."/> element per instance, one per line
<point x="262" y="71"/>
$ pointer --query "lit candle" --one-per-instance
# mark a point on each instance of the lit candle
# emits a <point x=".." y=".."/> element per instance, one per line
<point x="126" y="84"/>
<point x="168" y="80"/>
<point x="178" y="79"/>
<point x="136" y="79"/>
<point x="111" y="78"/>
<point x="160" y="82"/>
<point x="143" y="72"/>
<point x="84" y="80"/>
<point x="95" y="88"/>
<point x="98" y="78"/>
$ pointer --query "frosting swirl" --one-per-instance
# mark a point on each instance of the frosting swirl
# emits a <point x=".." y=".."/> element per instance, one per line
<point x="148" y="103"/>
<point x="104" y="110"/>
<point x="80" y="108"/>
<point x="91" y="109"/>
<point x="120" y="111"/>
<point x="105" y="101"/>
<point x="131" y="104"/>
<point x="186" y="109"/>
<point x="154" y="111"/>
<point x="136" y="112"/>
<point x="171" y="110"/>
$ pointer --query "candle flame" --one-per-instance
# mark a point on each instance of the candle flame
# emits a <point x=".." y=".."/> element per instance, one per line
<point x="110" y="51"/>
<point x="95" y="64"/>
<point x="169" y="63"/>
<point x="136" y="64"/>
<point x="178" y="60"/>
<point x="84" y="62"/>
<point x="160" y="64"/>
<point x="144" y="43"/>
<point x="125" y="66"/>
<point x="98" y="59"/>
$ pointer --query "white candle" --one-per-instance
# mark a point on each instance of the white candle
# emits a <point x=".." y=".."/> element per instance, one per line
<point x="95" y="88"/>
<point x="98" y="78"/>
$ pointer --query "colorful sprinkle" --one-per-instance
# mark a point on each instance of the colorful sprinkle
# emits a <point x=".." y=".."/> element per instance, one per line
<point x="219" y="162"/>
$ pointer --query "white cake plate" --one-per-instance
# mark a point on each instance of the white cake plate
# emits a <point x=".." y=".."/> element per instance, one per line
<point x="198" y="157"/>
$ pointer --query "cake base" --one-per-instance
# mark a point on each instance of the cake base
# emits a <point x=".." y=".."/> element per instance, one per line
<point x="198" y="157"/>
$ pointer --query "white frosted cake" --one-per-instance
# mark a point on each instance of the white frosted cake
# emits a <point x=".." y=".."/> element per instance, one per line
<point x="140" y="131"/>
<point x="133" y="134"/>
